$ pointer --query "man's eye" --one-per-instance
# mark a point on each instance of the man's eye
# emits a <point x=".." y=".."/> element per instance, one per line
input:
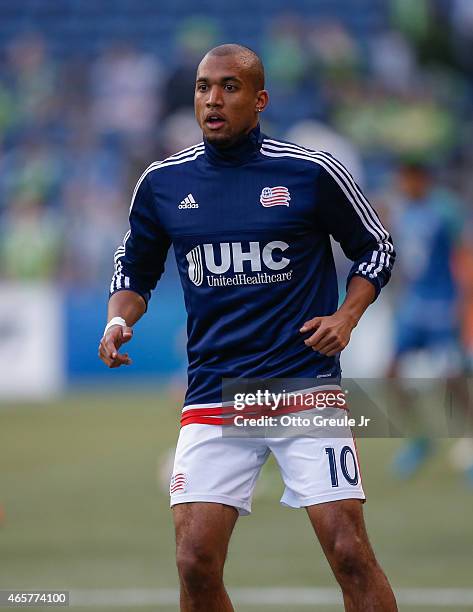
<point x="229" y="87"/>
<point x="202" y="87"/>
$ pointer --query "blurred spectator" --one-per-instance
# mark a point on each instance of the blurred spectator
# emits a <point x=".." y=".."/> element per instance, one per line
<point x="414" y="124"/>
<point x="95" y="196"/>
<point x="283" y="54"/>
<point x="462" y="34"/>
<point x="423" y="22"/>
<point x="335" y="54"/>
<point x="31" y="241"/>
<point x="94" y="206"/>
<point x="7" y="110"/>
<point x="285" y="65"/>
<point x="31" y="170"/>
<point x="179" y="131"/>
<point x="318" y="136"/>
<point x="33" y="77"/>
<point x="194" y="37"/>
<point x="412" y="18"/>
<point x="393" y="61"/>
<point x="124" y="87"/>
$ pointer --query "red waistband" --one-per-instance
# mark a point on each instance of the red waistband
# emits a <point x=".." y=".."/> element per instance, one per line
<point x="225" y="415"/>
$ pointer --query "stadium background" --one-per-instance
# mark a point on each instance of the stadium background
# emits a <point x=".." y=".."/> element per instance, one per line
<point x="90" y="94"/>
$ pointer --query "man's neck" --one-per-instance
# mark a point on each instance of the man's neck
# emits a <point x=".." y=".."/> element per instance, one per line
<point x="237" y="152"/>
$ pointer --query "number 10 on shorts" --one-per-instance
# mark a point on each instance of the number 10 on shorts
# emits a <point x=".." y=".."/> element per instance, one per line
<point x="332" y="462"/>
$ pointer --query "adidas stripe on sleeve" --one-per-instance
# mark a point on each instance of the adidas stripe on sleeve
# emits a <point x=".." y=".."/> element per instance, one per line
<point x="139" y="260"/>
<point x="348" y="216"/>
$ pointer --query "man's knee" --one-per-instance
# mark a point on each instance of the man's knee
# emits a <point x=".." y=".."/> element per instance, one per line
<point x="202" y="534"/>
<point x="200" y="569"/>
<point x="353" y="559"/>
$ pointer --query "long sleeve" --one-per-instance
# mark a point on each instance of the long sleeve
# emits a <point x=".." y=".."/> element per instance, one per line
<point x="139" y="260"/>
<point x="346" y="214"/>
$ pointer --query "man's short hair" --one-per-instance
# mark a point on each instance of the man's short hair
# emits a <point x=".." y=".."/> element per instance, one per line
<point x="248" y="57"/>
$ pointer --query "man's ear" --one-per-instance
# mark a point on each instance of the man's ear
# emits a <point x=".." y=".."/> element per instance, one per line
<point x="262" y="100"/>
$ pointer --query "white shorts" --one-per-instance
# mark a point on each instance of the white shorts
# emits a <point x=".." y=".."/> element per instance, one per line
<point x="212" y="468"/>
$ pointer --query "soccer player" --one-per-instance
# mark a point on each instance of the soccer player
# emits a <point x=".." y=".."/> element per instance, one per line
<point x="427" y="222"/>
<point x="250" y="219"/>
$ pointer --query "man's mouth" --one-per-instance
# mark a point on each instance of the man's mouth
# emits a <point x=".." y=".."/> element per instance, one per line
<point x="214" y="122"/>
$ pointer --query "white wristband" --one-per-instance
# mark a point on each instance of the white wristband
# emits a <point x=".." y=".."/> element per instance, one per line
<point x="114" y="321"/>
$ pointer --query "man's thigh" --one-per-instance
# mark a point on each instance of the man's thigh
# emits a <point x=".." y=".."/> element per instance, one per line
<point x="203" y="528"/>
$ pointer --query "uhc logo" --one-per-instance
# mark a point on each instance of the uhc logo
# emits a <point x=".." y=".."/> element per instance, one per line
<point x="213" y="261"/>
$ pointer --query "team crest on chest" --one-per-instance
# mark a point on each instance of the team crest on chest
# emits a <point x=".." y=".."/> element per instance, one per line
<point x="275" y="196"/>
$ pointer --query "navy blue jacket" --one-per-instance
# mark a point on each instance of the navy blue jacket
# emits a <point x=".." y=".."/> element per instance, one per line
<point x="251" y="231"/>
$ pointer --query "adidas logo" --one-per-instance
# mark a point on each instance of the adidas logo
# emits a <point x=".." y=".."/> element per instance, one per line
<point x="188" y="202"/>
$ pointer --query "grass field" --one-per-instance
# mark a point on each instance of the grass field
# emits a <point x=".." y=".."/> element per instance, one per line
<point x="83" y="510"/>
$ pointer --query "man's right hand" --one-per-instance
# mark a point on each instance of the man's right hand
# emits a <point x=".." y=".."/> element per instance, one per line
<point x="111" y="342"/>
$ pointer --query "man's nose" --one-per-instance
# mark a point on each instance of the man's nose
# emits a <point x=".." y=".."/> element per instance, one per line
<point x="215" y="97"/>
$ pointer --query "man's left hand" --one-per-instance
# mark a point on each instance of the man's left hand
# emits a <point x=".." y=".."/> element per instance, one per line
<point x="331" y="334"/>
